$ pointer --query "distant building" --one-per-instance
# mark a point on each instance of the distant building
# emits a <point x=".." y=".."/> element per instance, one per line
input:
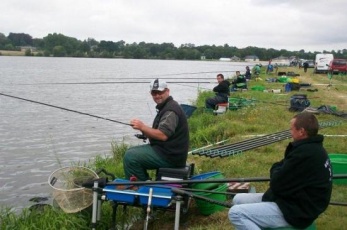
<point x="235" y="58"/>
<point x="24" y="48"/>
<point x="203" y="57"/>
<point x="224" y="59"/>
<point x="281" y="60"/>
<point x="251" y="58"/>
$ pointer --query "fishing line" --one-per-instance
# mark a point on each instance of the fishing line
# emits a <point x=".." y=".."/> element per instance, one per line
<point x="202" y="181"/>
<point x="198" y="87"/>
<point x="141" y="82"/>
<point x="114" y="82"/>
<point x="189" y="73"/>
<point x="58" y="107"/>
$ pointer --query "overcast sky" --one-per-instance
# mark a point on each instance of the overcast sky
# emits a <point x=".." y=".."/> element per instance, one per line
<point x="312" y="25"/>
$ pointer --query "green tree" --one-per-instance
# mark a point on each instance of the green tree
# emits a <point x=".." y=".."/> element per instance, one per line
<point x="59" y="51"/>
<point x="28" y="52"/>
<point x="3" y="41"/>
<point x="70" y="45"/>
<point x="20" y="39"/>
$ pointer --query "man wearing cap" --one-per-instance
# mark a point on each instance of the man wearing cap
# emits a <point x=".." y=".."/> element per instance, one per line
<point x="168" y="137"/>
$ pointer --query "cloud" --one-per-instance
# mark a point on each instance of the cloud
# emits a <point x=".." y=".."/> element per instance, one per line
<point x="293" y="25"/>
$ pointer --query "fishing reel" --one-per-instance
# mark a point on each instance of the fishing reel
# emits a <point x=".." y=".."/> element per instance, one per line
<point x="141" y="136"/>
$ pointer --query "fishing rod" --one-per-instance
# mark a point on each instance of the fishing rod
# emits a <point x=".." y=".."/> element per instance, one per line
<point x="189" y="73"/>
<point x="58" y="107"/>
<point x="239" y="147"/>
<point x="175" y="78"/>
<point x="192" y="86"/>
<point x="208" y="191"/>
<point x="193" y="195"/>
<point x="244" y="145"/>
<point x="116" y="82"/>
<point x="225" y="180"/>
<point x="207" y="146"/>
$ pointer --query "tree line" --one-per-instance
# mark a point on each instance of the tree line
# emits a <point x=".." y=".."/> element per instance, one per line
<point x="59" y="45"/>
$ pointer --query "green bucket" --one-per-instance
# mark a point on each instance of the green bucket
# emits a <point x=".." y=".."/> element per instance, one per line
<point x="339" y="165"/>
<point x="207" y="208"/>
<point x="207" y="176"/>
<point x="258" y="88"/>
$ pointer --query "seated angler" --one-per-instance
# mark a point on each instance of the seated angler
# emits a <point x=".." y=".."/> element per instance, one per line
<point x="248" y="74"/>
<point x="222" y="93"/>
<point x="240" y="82"/>
<point x="300" y="184"/>
<point x="168" y="137"/>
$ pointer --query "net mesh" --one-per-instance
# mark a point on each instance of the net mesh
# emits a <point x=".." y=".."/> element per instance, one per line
<point x="68" y="191"/>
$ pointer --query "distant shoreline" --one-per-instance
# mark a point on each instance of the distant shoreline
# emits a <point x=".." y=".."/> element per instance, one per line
<point x="16" y="53"/>
<point x="22" y="53"/>
<point x="11" y="53"/>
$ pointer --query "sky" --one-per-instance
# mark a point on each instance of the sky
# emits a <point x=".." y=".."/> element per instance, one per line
<point x="311" y="25"/>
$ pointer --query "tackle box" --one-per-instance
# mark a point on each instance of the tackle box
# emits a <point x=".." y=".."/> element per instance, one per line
<point x="161" y="195"/>
<point x="125" y="195"/>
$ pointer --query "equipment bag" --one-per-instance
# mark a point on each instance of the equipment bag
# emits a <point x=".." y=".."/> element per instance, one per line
<point x="298" y="102"/>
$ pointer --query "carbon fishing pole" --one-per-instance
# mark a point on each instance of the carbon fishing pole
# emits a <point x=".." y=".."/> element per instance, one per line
<point x="193" y="195"/>
<point x="177" y="74"/>
<point x="239" y="147"/>
<point x="58" y="107"/>
<point x="251" y="179"/>
<point x="141" y="82"/>
<point x="116" y="82"/>
<point x="225" y="180"/>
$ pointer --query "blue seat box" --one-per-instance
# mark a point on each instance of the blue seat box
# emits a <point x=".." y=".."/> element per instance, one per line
<point x="161" y="196"/>
<point x="127" y="196"/>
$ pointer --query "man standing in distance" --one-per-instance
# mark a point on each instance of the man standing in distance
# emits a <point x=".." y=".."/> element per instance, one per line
<point x="168" y="137"/>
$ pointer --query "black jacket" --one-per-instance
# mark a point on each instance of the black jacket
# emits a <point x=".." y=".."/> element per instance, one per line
<point x="222" y="89"/>
<point x="301" y="183"/>
<point x="175" y="148"/>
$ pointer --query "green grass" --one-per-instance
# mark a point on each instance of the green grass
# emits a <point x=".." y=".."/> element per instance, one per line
<point x="269" y="114"/>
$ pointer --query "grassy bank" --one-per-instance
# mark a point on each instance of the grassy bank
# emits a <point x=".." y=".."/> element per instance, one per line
<point x="268" y="114"/>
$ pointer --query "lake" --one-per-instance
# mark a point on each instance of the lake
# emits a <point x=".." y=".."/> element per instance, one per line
<point x="37" y="139"/>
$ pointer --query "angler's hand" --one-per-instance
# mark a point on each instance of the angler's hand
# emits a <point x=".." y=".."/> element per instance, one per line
<point x="137" y="124"/>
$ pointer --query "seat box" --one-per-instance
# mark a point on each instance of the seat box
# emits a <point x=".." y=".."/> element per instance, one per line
<point x="125" y="194"/>
<point x="161" y="195"/>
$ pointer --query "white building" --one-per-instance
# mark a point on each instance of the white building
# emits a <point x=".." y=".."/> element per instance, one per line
<point x="251" y="58"/>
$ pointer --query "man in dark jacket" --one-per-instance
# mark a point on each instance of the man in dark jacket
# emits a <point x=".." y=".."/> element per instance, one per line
<point x="305" y="66"/>
<point x="239" y="82"/>
<point x="300" y="184"/>
<point x="168" y="137"/>
<point x="222" y="92"/>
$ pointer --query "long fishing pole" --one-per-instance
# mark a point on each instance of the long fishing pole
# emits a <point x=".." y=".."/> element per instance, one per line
<point x="58" y="107"/>
<point x="193" y="195"/>
<point x="116" y="82"/>
<point x="207" y="146"/>
<point x="189" y="73"/>
<point x="239" y="147"/>
<point x="251" y="179"/>
<point x="225" y="180"/>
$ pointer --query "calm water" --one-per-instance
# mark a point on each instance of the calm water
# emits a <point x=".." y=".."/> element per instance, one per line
<point x="36" y="139"/>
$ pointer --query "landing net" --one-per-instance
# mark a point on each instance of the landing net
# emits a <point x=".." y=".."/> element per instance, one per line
<point x="68" y="190"/>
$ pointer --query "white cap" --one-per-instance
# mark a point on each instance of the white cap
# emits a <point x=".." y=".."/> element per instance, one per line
<point x="158" y="84"/>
